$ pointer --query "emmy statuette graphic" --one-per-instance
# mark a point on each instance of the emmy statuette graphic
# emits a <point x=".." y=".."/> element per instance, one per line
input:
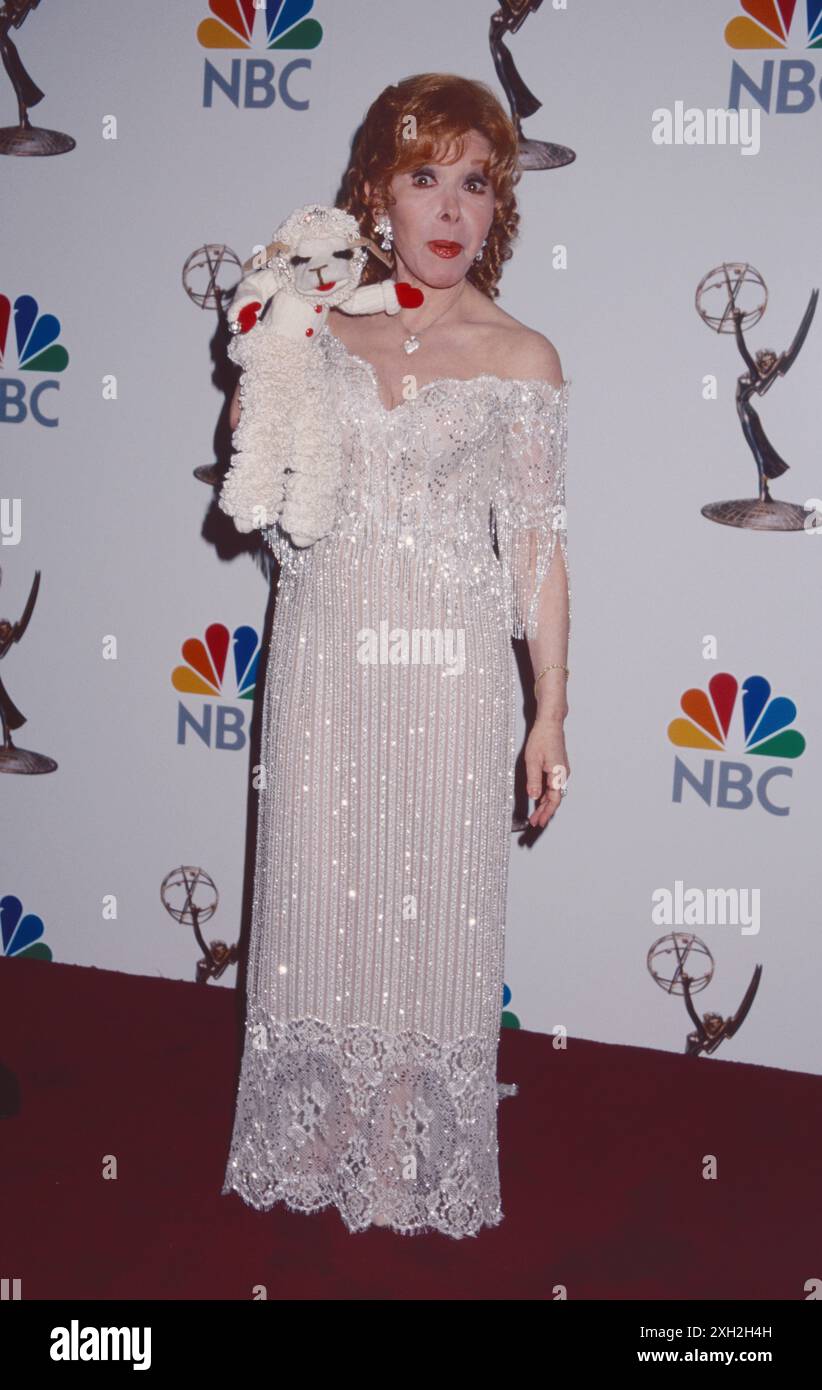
<point x="179" y="892"/>
<point x="12" y="758"/>
<point x="729" y="281"/>
<point x="710" y="1030"/>
<point x="201" y="273"/>
<point x="534" y="154"/>
<point x="24" y="139"/>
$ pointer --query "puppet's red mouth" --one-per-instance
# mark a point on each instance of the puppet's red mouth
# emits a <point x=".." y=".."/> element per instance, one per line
<point x="329" y="285"/>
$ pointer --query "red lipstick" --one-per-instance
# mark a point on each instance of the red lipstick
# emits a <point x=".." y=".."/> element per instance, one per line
<point x="445" y="249"/>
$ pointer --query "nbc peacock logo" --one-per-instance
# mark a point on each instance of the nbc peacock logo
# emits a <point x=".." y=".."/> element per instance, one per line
<point x="787" y="86"/>
<point x="21" y="932"/>
<point x="255" y="27"/>
<point x="758" y="726"/>
<point x="30" y="346"/>
<point x="213" y="720"/>
<point x="768" y="24"/>
<point x="509" y="1018"/>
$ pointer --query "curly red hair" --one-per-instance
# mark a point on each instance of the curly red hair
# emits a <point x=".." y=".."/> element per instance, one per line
<point x="446" y="107"/>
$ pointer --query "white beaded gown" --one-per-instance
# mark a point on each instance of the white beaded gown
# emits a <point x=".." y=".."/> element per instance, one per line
<point x="375" y="972"/>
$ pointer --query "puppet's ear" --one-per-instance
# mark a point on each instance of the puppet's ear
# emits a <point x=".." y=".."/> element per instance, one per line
<point x="270" y="250"/>
<point x="372" y="246"/>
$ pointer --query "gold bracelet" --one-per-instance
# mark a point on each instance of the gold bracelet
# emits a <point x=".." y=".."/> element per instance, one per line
<point x="555" y="666"/>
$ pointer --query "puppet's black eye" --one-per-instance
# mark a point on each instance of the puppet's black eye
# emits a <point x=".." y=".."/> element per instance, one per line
<point x="345" y="255"/>
<point x="299" y="260"/>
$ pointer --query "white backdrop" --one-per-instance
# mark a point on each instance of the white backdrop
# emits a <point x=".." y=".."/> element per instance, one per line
<point x="130" y="548"/>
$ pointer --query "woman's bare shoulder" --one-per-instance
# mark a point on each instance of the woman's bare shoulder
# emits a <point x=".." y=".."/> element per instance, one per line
<point x="537" y="357"/>
<point x="522" y="352"/>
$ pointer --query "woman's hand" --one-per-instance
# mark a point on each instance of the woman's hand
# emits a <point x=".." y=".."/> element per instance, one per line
<point x="546" y="767"/>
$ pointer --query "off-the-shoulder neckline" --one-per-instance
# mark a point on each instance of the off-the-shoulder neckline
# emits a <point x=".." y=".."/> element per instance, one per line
<point x="537" y="383"/>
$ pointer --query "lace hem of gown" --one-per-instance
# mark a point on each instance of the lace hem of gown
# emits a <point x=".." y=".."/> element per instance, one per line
<point x="390" y="1128"/>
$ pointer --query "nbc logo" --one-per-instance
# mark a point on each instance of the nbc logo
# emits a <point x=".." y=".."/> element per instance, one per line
<point x="509" y="1018"/>
<point x="775" y="24"/>
<point x="37" y="350"/>
<point x="732" y="785"/>
<point x="21" y="932"/>
<point x="216" y="724"/>
<point x="282" y="26"/>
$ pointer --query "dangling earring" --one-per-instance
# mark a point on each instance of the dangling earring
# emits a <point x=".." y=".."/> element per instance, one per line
<point x="383" y="228"/>
<point x="478" y="256"/>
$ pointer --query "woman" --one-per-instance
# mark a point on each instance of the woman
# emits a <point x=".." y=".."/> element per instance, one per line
<point x="375" y="970"/>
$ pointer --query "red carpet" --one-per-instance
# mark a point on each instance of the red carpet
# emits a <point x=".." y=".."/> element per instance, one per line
<point x="601" y="1161"/>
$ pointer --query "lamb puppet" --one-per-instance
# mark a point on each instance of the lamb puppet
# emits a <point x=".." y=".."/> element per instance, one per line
<point x="287" y="464"/>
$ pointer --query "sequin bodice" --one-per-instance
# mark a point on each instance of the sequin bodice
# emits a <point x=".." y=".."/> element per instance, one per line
<point x="435" y="478"/>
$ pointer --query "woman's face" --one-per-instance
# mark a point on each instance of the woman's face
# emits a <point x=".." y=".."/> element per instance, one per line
<point x="438" y="204"/>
